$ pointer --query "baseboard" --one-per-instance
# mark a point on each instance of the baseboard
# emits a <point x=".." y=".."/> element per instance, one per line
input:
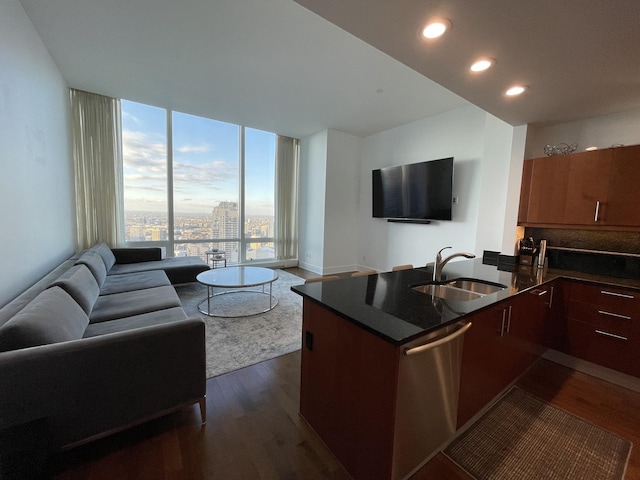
<point x="603" y="373"/>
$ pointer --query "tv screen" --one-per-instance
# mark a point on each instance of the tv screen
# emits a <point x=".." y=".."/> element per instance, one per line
<point x="421" y="190"/>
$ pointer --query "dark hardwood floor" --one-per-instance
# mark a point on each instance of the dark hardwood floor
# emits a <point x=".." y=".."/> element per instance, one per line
<point x="254" y="431"/>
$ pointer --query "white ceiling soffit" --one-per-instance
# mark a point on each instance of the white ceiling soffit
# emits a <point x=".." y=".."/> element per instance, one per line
<point x="272" y="65"/>
<point x="580" y="58"/>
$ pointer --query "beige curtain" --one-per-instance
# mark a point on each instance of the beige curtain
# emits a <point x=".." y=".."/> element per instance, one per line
<point x="96" y="153"/>
<point x="287" y="165"/>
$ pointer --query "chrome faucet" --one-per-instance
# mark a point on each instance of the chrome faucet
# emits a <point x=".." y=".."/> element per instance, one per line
<point x="440" y="263"/>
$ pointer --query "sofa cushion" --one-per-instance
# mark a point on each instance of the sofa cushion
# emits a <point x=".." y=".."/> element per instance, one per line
<point x="149" y="319"/>
<point x="107" y="255"/>
<point x="96" y="265"/>
<point x="80" y="283"/>
<point x="52" y="317"/>
<point x="134" y="281"/>
<point x="126" y="304"/>
<point x="178" y="269"/>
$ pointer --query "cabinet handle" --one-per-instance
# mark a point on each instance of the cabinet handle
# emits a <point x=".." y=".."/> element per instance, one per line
<point x="551" y="298"/>
<point x="437" y="343"/>
<point x="616" y="294"/>
<point x="597" y="210"/>
<point x="504" y="320"/>
<point x="617" y="315"/>
<point x="509" y="320"/>
<point x="538" y="292"/>
<point x="612" y="335"/>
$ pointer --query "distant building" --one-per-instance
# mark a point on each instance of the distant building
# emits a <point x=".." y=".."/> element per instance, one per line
<point x="225" y="226"/>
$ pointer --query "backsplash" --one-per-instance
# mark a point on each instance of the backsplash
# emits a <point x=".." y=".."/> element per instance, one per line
<point x="622" y="242"/>
<point x="606" y="253"/>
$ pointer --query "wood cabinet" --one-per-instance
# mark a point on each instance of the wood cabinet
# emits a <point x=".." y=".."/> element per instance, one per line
<point x="594" y="189"/>
<point x="623" y="207"/>
<point x="588" y="187"/>
<point x="603" y="326"/>
<point x="566" y="189"/>
<point x="347" y="391"/>
<point x="547" y="190"/>
<point x="554" y="318"/>
<point x="503" y="342"/>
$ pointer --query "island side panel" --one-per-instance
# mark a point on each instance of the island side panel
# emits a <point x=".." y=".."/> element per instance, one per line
<point x="348" y="390"/>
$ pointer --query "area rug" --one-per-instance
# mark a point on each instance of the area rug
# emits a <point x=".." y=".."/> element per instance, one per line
<point x="525" y="438"/>
<point x="233" y="343"/>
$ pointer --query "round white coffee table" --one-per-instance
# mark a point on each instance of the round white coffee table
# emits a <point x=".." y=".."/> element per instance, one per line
<point x="237" y="280"/>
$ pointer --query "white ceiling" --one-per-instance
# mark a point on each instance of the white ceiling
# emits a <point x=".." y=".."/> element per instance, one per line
<point x="580" y="58"/>
<point x="274" y="65"/>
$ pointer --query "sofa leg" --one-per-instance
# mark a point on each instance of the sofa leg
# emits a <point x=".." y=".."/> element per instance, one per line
<point x="203" y="409"/>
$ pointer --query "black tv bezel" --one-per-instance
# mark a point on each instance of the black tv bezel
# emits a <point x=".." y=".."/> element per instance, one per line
<point x="414" y="219"/>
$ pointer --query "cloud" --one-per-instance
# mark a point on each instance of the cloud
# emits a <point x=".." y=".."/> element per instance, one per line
<point x="202" y="148"/>
<point x="141" y="150"/>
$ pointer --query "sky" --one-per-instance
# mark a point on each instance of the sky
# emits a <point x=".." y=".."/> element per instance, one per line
<point x="206" y="162"/>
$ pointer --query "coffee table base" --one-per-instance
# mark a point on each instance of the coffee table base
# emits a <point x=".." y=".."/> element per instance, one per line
<point x="205" y="306"/>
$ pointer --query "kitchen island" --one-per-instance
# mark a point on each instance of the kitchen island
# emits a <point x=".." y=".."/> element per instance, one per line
<point x="373" y="405"/>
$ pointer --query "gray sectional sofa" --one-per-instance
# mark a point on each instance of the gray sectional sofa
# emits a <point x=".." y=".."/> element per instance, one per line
<point x="100" y="344"/>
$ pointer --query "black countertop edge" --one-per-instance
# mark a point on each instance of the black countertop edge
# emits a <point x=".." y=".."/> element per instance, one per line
<point x="385" y="305"/>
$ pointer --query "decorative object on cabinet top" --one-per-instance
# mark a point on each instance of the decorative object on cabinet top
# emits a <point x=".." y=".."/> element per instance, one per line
<point x="560" y="149"/>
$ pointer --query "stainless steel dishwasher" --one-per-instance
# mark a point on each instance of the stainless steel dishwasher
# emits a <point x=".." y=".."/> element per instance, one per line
<point x="427" y="398"/>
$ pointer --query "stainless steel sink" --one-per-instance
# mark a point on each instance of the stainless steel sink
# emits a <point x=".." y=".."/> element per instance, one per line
<point x="477" y="286"/>
<point x="460" y="290"/>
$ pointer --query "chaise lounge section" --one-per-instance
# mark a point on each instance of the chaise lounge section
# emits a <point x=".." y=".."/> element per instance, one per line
<point x="98" y="346"/>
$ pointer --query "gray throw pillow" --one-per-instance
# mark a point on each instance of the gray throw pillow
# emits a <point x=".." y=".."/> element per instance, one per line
<point x="95" y="263"/>
<point x="107" y="255"/>
<point x="52" y="317"/>
<point x="79" y="282"/>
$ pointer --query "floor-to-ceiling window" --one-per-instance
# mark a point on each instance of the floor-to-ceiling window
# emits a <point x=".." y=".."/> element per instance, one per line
<point x="192" y="184"/>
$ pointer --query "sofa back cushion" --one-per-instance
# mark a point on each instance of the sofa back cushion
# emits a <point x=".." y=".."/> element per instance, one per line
<point x="81" y="285"/>
<point x="51" y="317"/>
<point x="96" y="265"/>
<point x="107" y="255"/>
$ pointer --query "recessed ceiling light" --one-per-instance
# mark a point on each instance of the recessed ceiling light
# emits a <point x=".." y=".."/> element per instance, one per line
<point x="482" y="64"/>
<point x="515" y="90"/>
<point x="590" y="149"/>
<point x="436" y="28"/>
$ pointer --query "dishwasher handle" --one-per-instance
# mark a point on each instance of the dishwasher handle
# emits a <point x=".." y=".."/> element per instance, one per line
<point x="437" y="343"/>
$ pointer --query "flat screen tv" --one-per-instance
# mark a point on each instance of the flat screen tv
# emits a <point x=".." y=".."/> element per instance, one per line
<point x="416" y="191"/>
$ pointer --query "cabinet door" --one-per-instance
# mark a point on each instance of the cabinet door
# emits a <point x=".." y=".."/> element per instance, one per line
<point x="586" y="199"/>
<point x="555" y="318"/>
<point x="525" y="191"/>
<point x="525" y="327"/>
<point x="487" y="366"/>
<point x="624" y="195"/>
<point x="548" y="189"/>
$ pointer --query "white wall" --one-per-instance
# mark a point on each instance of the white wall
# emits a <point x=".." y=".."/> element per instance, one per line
<point x="500" y="181"/>
<point x="328" y="202"/>
<point x="313" y="166"/>
<point x="341" y="203"/>
<point x="482" y="147"/>
<point x="602" y="132"/>
<point x="36" y="185"/>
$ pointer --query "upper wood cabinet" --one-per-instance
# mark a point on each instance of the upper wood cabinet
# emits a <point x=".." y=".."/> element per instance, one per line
<point x="624" y="195"/>
<point x="594" y="189"/>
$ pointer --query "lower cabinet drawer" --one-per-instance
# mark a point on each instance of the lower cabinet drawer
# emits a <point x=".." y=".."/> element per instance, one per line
<point x="606" y="348"/>
<point x="609" y="321"/>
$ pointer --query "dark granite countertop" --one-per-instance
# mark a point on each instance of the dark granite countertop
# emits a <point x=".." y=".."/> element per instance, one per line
<point x="385" y="304"/>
